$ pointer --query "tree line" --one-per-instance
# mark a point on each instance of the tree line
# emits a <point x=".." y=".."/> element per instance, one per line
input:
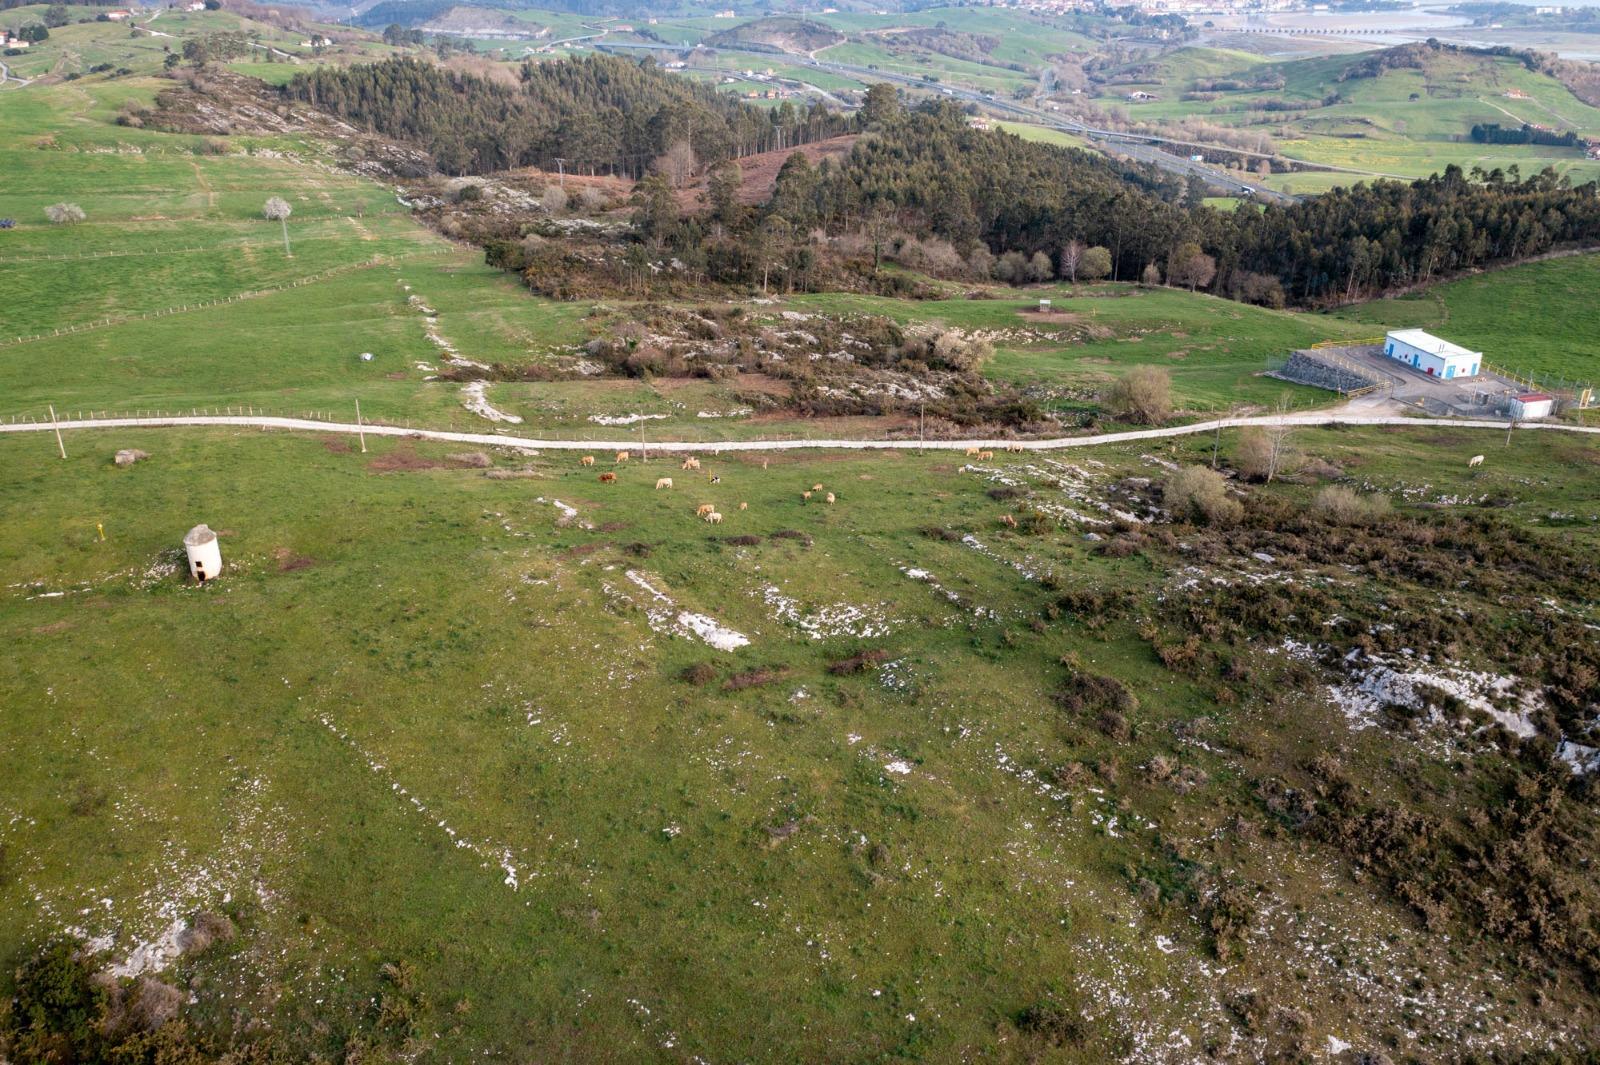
<point x="600" y="114"/>
<point x="1494" y="133"/>
<point x="936" y="175"/>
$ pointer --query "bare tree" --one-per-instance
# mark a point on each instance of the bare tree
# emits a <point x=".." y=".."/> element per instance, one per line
<point x="554" y="199"/>
<point x="677" y="164"/>
<point x="1151" y="276"/>
<point x="64" y="214"/>
<point x="277" y="209"/>
<point x="1268" y="450"/>
<point x="1071" y="258"/>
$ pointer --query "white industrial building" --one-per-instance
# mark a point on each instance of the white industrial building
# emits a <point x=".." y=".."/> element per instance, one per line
<point x="1423" y="351"/>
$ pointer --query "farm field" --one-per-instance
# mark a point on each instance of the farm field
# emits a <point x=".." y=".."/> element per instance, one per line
<point x="551" y="828"/>
<point x="172" y="226"/>
<point x="1404" y="122"/>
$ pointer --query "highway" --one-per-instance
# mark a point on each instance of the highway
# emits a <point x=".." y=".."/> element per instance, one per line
<point x="1138" y="146"/>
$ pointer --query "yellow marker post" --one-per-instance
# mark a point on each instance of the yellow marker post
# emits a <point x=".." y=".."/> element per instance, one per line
<point x="100" y="527"/>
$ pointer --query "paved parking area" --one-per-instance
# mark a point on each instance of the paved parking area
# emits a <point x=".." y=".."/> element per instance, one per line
<point x="1478" y="396"/>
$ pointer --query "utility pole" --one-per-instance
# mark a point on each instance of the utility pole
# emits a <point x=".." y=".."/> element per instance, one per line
<point x="57" y="428"/>
<point x="561" y="168"/>
<point x="922" y="419"/>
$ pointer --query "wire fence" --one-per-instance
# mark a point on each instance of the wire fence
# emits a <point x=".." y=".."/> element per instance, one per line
<point x="264" y="245"/>
<point x="1570" y="391"/>
<point x="310" y="279"/>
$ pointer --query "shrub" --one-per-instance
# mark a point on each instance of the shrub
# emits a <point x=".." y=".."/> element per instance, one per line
<point x="207" y="929"/>
<point x="1342" y="506"/>
<point x="64" y="214"/>
<point x="1143" y="394"/>
<point x="700" y="674"/>
<point x="857" y="663"/>
<point x="1264" y="453"/>
<point x="1200" y="495"/>
<point x="1051" y="1023"/>
<point x="1084" y="692"/>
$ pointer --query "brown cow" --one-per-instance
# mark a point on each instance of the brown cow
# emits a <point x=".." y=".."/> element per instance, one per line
<point x="622" y="456"/>
<point x="744" y="506"/>
<point x="1008" y="521"/>
<point x="703" y="509"/>
<point x="691" y="464"/>
<point x="663" y="482"/>
<point x="608" y="478"/>
<point x="587" y="460"/>
<point x="972" y="452"/>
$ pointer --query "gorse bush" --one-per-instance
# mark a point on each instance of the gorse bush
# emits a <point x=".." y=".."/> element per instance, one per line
<point x="1201" y="495"/>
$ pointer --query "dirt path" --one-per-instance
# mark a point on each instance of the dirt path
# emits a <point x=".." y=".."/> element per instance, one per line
<point x="1343" y="416"/>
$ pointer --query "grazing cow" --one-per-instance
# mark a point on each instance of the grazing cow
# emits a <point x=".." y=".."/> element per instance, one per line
<point x="1015" y="449"/>
<point x="972" y="452"/>
<point x="816" y="487"/>
<point x="1476" y="460"/>
<point x="587" y="460"/>
<point x="830" y="497"/>
<point x="703" y="509"/>
<point x="608" y="478"/>
<point x="622" y="456"/>
<point x="744" y="506"/>
<point x="714" y="518"/>
<point x="715" y="478"/>
<point x="1008" y="521"/>
<point x="691" y="463"/>
<point x="805" y="495"/>
<point x="985" y="456"/>
<point x="663" y="482"/>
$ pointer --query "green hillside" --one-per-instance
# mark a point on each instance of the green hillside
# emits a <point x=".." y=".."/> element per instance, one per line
<point x="1406" y="121"/>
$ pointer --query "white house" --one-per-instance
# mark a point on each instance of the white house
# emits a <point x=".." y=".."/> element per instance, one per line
<point x="1531" y="406"/>
<point x="1434" y="357"/>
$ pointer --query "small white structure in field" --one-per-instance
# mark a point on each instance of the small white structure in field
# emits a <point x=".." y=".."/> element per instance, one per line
<point x="1044" y="306"/>
<point x="1423" y="351"/>
<point x="1531" y="406"/>
<point x="205" y="557"/>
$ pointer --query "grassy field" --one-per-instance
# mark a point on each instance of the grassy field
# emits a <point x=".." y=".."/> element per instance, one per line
<point x="1029" y="132"/>
<point x="485" y="759"/>
<point x="169" y="225"/>
<point x="142" y="45"/>
<point x="1404" y="123"/>
<point x="553" y="831"/>
<point x="1214" y="350"/>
